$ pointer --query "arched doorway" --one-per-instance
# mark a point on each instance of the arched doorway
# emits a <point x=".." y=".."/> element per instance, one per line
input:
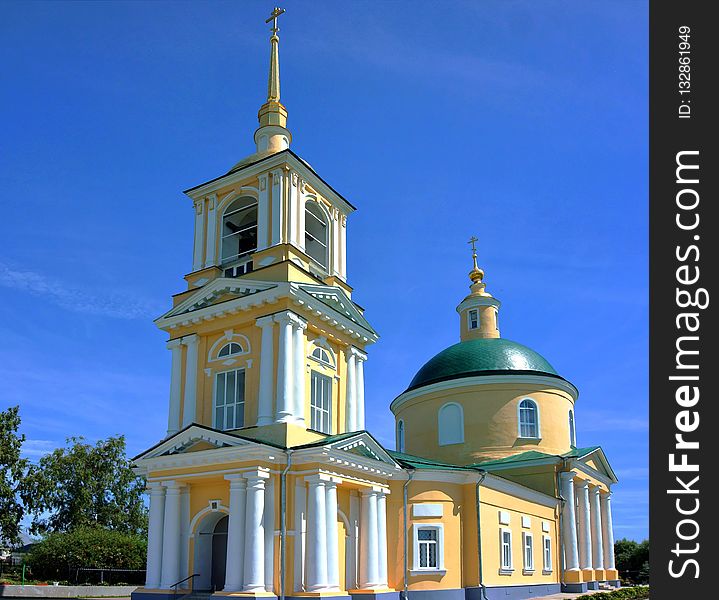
<point x="210" y="553"/>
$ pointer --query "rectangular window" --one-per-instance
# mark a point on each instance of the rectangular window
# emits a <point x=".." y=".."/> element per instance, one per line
<point x="506" y="549"/>
<point x="427" y="541"/>
<point x="528" y="551"/>
<point x="321" y="402"/>
<point x="230" y="399"/>
<point x="473" y="318"/>
<point x="547" y="553"/>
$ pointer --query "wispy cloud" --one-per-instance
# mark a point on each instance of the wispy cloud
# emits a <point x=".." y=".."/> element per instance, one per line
<point x="76" y="298"/>
<point x="33" y="449"/>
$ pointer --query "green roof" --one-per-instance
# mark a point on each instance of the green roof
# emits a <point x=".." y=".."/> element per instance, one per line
<point x="492" y="356"/>
<point x="534" y="455"/>
<point x="417" y="462"/>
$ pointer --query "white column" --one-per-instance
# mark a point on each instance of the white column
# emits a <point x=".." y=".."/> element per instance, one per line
<point x="254" y="578"/>
<point x="263" y="212"/>
<point x="277" y="207"/>
<point x="316" y="555"/>
<point x="301" y="217"/>
<point x="369" y="571"/>
<point x="294" y="208"/>
<point x="267" y="360"/>
<point x="300" y="531"/>
<point x="190" y="403"/>
<point x="351" y="391"/>
<point x="569" y="522"/>
<point x="199" y="247"/>
<point x="298" y="376"/>
<point x="171" y="536"/>
<point x="184" y="536"/>
<point x="269" y="524"/>
<point x="360" y="390"/>
<point x="234" y="569"/>
<point x="335" y="258"/>
<point x="333" y="552"/>
<point x="351" y="552"/>
<point x="173" y="419"/>
<point x="607" y="531"/>
<point x="156" y="518"/>
<point x="597" y="546"/>
<point x="343" y="246"/>
<point x="583" y="519"/>
<point x="382" y="538"/>
<point x="285" y="404"/>
<point x="211" y="247"/>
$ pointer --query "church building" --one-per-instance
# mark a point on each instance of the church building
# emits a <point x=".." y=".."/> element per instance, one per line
<point x="268" y="484"/>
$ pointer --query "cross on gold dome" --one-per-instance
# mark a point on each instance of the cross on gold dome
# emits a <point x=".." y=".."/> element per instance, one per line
<point x="273" y="17"/>
<point x="476" y="274"/>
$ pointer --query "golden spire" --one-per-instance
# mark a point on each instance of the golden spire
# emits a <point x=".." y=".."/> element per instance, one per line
<point x="273" y="83"/>
<point x="272" y="135"/>
<point x="476" y="275"/>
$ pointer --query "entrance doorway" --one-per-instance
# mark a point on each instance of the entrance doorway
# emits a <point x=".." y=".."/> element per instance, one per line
<point x="211" y="552"/>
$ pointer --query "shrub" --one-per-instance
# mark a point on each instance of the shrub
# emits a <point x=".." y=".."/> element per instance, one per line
<point x="628" y="593"/>
<point x="58" y="553"/>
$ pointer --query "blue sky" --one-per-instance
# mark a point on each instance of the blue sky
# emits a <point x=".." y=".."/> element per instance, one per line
<point x="524" y="123"/>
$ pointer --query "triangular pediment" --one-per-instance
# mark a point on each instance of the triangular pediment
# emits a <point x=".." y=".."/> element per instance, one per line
<point x="364" y="445"/>
<point x="336" y="299"/>
<point x="219" y="291"/>
<point x="594" y="459"/>
<point x="194" y="438"/>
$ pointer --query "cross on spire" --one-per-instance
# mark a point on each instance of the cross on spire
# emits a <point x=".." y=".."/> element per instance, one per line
<point x="273" y="17"/>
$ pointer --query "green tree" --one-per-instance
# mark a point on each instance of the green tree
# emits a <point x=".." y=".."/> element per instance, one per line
<point x="632" y="560"/>
<point x="55" y="556"/>
<point x="85" y="486"/>
<point x="12" y="471"/>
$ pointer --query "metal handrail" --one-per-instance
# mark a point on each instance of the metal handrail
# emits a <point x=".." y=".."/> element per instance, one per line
<point x="174" y="585"/>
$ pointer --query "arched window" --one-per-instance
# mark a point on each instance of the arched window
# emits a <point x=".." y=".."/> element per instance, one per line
<point x="239" y="229"/>
<point x="229" y="350"/>
<point x="528" y="419"/>
<point x="572" y="431"/>
<point x="316" y="234"/>
<point x="400" y="435"/>
<point x="323" y="356"/>
<point x="450" y="424"/>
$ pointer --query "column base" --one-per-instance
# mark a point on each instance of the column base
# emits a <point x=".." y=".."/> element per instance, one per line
<point x="592" y="585"/>
<point x="614" y="583"/>
<point x="611" y="574"/>
<point x="599" y="575"/>
<point x="587" y="574"/>
<point x="575" y="576"/>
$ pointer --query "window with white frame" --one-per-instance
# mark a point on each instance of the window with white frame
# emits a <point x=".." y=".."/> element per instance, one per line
<point x="239" y="229"/>
<point x="528" y="419"/>
<point x="400" y="435"/>
<point x="528" y="551"/>
<point x="496" y="319"/>
<point x="321" y="402"/>
<point x="428" y="547"/>
<point x="323" y="356"/>
<point x="473" y="319"/>
<point x="230" y="399"/>
<point x="316" y="234"/>
<point x="572" y="431"/>
<point x="229" y="350"/>
<point x="450" y="424"/>
<point x="546" y="554"/>
<point x="505" y="549"/>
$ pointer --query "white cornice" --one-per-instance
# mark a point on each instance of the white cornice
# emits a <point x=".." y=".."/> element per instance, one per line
<point x="269" y="164"/>
<point x="462" y="382"/>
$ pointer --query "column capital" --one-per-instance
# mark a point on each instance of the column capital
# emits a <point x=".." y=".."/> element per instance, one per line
<point x="191" y="340"/>
<point x="318" y="478"/>
<point x="237" y="481"/>
<point x="256" y="475"/>
<point x="357" y="353"/>
<point x="595" y="490"/>
<point x="265" y="321"/>
<point x="174" y="487"/>
<point x="172" y="344"/>
<point x="285" y="316"/>
<point x="567" y="476"/>
<point x="155" y="488"/>
<point x="582" y="483"/>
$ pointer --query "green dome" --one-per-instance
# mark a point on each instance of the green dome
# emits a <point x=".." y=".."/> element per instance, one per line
<point x="492" y="356"/>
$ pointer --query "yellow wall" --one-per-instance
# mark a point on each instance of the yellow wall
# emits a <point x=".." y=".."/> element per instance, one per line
<point x="491" y="428"/>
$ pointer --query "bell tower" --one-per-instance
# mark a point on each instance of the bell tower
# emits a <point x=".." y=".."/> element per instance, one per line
<point x="266" y="340"/>
<point x="478" y="312"/>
